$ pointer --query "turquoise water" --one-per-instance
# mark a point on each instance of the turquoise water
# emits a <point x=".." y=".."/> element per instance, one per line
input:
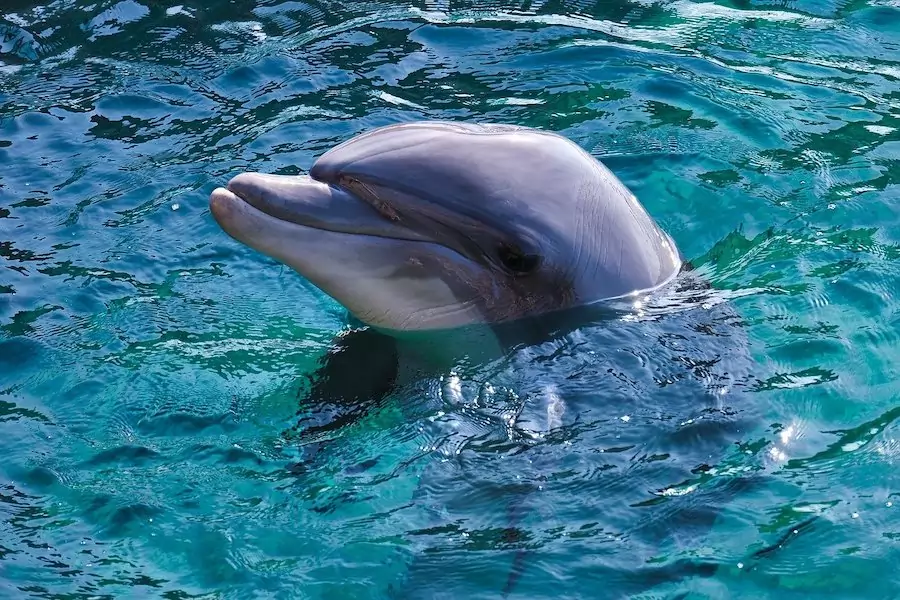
<point x="152" y="370"/>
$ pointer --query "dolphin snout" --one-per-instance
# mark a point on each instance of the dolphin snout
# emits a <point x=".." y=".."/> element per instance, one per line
<point x="296" y="199"/>
<point x="256" y="189"/>
<point x="302" y="200"/>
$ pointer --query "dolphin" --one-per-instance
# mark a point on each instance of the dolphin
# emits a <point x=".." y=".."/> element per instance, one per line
<point x="427" y="226"/>
<point x="432" y="228"/>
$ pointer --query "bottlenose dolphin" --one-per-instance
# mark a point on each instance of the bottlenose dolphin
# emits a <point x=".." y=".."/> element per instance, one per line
<point x="435" y="225"/>
<point x="426" y="228"/>
<point x="490" y="235"/>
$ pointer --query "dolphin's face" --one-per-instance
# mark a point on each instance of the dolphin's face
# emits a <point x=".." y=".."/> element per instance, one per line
<point x="436" y="225"/>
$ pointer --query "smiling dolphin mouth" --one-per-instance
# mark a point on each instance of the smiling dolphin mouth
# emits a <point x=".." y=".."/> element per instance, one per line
<point x="305" y="201"/>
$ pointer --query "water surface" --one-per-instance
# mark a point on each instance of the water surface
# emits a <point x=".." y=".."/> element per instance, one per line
<point x="152" y="371"/>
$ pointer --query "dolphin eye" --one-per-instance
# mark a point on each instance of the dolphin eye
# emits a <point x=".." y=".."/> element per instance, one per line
<point x="517" y="261"/>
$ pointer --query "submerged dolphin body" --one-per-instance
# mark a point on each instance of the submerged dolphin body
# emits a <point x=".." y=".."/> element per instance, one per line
<point x="436" y="225"/>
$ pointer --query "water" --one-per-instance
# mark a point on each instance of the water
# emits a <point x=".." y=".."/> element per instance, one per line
<point x="152" y="371"/>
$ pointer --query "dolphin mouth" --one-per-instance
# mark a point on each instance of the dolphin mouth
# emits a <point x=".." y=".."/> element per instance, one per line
<point x="304" y="201"/>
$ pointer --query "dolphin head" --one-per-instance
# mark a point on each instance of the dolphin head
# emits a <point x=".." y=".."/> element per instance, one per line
<point x="434" y="225"/>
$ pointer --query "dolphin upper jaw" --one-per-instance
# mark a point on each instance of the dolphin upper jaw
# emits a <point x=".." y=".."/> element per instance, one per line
<point x="305" y="201"/>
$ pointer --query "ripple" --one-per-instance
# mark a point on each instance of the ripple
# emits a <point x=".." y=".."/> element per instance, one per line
<point x="17" y="44"/>
<point x="124" y="456"/>
<point x="113" y="20"/>
<point x="150" y="413"/>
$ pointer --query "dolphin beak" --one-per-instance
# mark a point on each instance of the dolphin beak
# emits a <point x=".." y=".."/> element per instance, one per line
<point x="302" y="200"/>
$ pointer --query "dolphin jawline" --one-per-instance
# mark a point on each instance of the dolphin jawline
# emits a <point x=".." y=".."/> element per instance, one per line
<point x="348" y="205"/>
<point x="328" y="207"/>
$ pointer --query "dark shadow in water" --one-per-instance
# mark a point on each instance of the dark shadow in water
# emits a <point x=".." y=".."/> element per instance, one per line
<point x="356" y="374"/>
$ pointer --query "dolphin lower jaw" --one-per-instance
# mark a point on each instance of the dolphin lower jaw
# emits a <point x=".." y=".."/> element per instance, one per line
<point x="394" y="282"/>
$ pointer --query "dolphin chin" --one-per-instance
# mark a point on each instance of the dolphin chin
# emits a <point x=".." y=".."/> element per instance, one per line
<point x="432" y="225"/>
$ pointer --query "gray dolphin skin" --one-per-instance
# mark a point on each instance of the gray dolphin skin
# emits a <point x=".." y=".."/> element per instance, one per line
<point x="434" y="225"/>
